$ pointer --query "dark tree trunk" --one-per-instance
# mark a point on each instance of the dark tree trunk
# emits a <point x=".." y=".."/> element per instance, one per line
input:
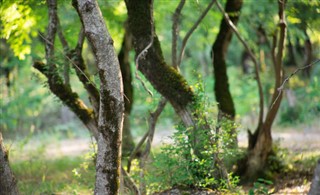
<point x="291" y="54"/>
<point x="111" y="109"/>
<point x="123" y="56"/>
<point x="308" y="55"/>
<point x="246" y="60"/>
<point x="8" y="183"/>
<point x="165" y="79"/>
<point x="219" y="50"/>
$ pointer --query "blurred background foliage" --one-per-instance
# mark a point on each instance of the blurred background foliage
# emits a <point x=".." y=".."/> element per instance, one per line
<point x="27" y="106"/>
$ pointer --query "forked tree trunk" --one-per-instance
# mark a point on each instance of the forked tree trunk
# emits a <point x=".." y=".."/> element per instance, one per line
<point x="219" y="51"/>
<point x="8" y="183"/>
<point x="111" y="98"/>
<point x="260" y="143"/>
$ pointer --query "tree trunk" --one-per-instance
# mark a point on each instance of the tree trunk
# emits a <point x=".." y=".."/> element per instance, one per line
<point x="219" y="50"/>
<point x="123" y="56"/>
<point x="260" y="143"/>
<point x="315" y="185"/>
<point x="165" y="79"/>
<point x="111" y="98"/>
<point x="308" y="55"/>
<point x="8" y="183"/>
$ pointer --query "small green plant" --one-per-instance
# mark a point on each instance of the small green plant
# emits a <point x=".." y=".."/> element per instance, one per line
<point x="260" y="187"/>
<point x="180" y="165"/>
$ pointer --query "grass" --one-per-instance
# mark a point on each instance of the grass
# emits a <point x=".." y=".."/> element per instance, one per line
<point x="58" y="176"/>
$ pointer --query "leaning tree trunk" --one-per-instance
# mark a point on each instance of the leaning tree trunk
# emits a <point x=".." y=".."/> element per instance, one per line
<point x="111" y="108"/>
<point x="8" y="183"/>
<point x="219" y="51"/>
<point x="123" y="56"/>
<point x="165" y="79"/>
<point x="260" y="143"/>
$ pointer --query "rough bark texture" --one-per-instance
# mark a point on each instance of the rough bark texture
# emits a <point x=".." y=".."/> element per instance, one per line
<point x="111" y="97"/>
<point x="123" y="56"/>
<point x="315" y="185"/>
<point x="8" y="183"/>
<point x="219" y="50"/>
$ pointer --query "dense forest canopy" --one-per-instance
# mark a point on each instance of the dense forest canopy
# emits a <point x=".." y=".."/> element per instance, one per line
<point x="118" y="71"/>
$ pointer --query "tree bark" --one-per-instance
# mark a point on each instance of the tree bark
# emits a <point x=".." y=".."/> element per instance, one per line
<point x="123" y="56"/>
<point x="165" y="79"/>
<point x="219" y="50"/>
<point x="8" y="183"/>
<point x="111" y="109"/>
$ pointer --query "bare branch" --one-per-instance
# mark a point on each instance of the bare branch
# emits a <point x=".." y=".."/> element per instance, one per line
<point x="195" y="25"/>
<point x="235" y="30"/>
<point x="175" y="32"/>
<point x="281" y="88"/>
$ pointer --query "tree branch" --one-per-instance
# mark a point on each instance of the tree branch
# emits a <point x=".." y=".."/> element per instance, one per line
<point x="68" y="97"/>
<point x="175" y="32"/>
<point x="195" y="25"/>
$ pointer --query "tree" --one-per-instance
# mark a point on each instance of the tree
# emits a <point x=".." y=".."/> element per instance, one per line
<point x="260" y="143"/>
<point x="219" y="50"/>
<point x="8" y="183"/>
<point x="108" y="105"/>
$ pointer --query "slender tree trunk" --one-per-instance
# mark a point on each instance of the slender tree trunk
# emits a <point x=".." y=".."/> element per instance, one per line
<point x="308" y="54"/>
<point x="8" y="183"/>
<point x="219" y="50"/>
<point x="111" y="98"/>
<point x="260" y="143"/>
<point x="123" y="56"/>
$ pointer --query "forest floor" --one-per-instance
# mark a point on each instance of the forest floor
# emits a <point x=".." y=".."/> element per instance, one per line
<point x="301" y="144"/>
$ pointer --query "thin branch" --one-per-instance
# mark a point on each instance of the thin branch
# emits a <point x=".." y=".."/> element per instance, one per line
<point x="128" y="182"/>
<point x="135" y="152"/>
<point x="175" y="32"/>
<point x="281" y="88"/>
<point x="193" y="28"/>
<point x="235" y="30"/>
